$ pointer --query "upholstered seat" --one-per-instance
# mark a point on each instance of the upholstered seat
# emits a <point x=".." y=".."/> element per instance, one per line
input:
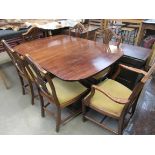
<point x="111" y="99"/>
<point x="103" y="103"/>
<point x="66" y="91"/>
<point x="57" y="92"/>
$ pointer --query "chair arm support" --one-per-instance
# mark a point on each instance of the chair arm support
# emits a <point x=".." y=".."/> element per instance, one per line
<point x="133" y="69"/>
<point x="115" y="99"/>
<point x="121" y="66"/>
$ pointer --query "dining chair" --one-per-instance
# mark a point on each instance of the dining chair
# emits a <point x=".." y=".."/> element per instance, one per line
<point x="112" y="99"/>
<point x="33" y="33"/>
<point x="57" y="92"/>
<point x="96" y="24"/>
<point x="100" y="23"/>
<point x="107" y="35"/>
<point x="78" y="30"/>
<point x="24" y="76"/>
<point x="151" y="58"/>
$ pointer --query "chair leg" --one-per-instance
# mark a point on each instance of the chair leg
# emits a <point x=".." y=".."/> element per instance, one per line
<point x="83" y="112"/>
<point x="41" y="104"/>
<point x="95" y="36"/>
<point x="58" y="119"/>
<point x="22" y="84"/>
<point x="87" y="37"/>
<point x="120" y="125"/>
<point x="32" y="92"/>
<point x="134" y="107"/>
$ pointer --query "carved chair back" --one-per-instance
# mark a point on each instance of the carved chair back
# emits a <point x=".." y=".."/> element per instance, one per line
<point x="139" y="86"/>
<point x="16" y="59"/>
<point x="41" y="78"/>
<point x="149" y="73"/>
<point x="107" y="34"/>
<point x="8" y="49"/>
<point x="78" y="29"/>
<point x="33" y="33"/>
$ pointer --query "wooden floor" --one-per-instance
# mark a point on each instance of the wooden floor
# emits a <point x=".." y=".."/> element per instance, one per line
<point x="143" y="120"/>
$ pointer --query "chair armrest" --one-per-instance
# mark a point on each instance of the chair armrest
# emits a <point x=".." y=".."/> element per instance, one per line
<point x="133" y="69"/>
<point x="121" y="66"/>
<point x="115" y="99"/>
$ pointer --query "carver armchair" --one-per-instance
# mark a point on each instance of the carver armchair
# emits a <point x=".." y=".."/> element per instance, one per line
<point x="112" y="99"/>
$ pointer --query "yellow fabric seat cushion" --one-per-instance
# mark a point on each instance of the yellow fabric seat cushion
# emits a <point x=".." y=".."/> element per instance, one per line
<point x="66" y="90"/>
<point x="101" y="74"/>
<point x="103" y="103"/>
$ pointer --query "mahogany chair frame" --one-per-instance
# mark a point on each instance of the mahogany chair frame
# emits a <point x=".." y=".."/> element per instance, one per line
<point x="130" y="103"/>
<point x="18" y="62"/>
<point x="100" y="23"/>
<point x="79" y="29"/>
<point x="32" y="33"/>
<point x="41" y="78"/>
<point x="107" y="35"/>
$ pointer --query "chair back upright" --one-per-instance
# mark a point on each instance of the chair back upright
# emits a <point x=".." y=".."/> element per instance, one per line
<point x="19" y="64"/>
<point x="15" y="57"/>
<point x="17" y="60"/>
<point x="100" y="23"/>
<point x="41" y="78"/>
<point x="78" y="28"/>
<point x="149" y="73"/>
<point x="108" y="34"/>
<point x="8" y="49"/>
<point x="33" y="33"/>
<point x="138" y="88"/>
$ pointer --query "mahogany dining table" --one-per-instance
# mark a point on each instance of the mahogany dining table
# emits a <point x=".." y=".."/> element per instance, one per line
<point x="70" y="58"/>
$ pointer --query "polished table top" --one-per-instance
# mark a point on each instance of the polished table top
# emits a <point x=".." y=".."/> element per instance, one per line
<point x="70" y="58"/>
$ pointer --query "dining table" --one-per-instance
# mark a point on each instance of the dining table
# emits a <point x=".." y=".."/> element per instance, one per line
<point x="70" y="58"/>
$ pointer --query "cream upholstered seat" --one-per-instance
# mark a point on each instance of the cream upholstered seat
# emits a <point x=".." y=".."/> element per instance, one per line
<point x="105" y="104"/>
<point x="66" y="91"/>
